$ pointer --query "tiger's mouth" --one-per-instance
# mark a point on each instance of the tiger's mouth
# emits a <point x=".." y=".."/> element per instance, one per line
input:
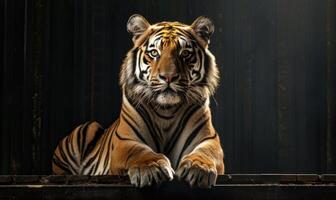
<point x="168" y="97"/>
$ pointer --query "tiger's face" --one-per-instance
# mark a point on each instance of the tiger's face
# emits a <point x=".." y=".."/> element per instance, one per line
<point x="170" y="63"/>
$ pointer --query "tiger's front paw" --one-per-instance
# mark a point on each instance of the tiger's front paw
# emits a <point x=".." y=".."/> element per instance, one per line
<point x="148" y="173"/>
<point x="197" y="173"/>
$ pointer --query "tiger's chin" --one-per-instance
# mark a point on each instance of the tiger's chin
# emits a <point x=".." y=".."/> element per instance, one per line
<point x="168" y="99"/>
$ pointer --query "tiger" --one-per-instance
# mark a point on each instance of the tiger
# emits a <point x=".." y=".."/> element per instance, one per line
<point x="164" y="129"/>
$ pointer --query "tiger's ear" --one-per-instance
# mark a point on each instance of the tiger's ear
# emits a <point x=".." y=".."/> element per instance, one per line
<point x="204" y="27"/>
<point x="136" y="25"/>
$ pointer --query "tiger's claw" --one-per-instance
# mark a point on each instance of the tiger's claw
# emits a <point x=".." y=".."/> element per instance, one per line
<point x="197" y="174"/>
<point x="154" y="173"/>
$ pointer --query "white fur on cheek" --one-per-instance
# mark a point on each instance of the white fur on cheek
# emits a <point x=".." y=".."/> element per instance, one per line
<point x="168" y="99"/>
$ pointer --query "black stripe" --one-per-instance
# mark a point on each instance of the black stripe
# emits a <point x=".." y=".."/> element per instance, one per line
<point x="92" y="144"/>
<point x="145" y="116"/>
<point x="208" y="138"/>
<point x="156" y="31"/>
<point x="189" y="35"/>
<point x="198" y="73"/>
<point x="89" y="162"/>
<point x="91" y="172"/>
<point x="168" y="148"/>
<point x="109" y="143"/>
<point x="102" y="150"/>
<point x="159" y="37"/>
<point x="99" y="158"/>
<point x="206" y="67"/>
<point x="58" y="163"/>
<point x="125" y="112"/>
<point x="65" y="159"/>
<point x="135" y="130"/>
<point x="72" y="144"/>
<point x="113" y="130"/>
<point x="106" y="158"/>
<point x="183" y="38"/>
<point x="83" y="131"/>
<point x="79" y="144"/>
<point x="123" y="138"/>
<point x="191" y="138"/>
<point x="70" y="156"/>
<point x="146" y="62"/>
<point x="135" y="60"/>
<point x="159" y="115"/>
<point x="138" y="60"/>
<point x="176" y="109"/>
<point x="131" y="152"/>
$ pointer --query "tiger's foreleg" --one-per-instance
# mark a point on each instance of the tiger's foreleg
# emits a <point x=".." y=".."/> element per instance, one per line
<point x="143" y="166"/>
<point x="201" y="166"/>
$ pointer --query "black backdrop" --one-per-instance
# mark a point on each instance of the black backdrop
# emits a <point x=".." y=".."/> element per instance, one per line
<point x="274" y="109"/>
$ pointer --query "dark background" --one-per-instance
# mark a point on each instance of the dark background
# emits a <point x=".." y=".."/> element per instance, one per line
<point x="275" y="107"/>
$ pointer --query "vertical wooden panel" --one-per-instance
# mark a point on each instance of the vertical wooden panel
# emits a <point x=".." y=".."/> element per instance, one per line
<point x="3" y="165"/>
<point x="37" y="49"/>
<point x="286" y="161"/>
<point x="263" y="59"/>
<point x="27" y="91"/>
<point x="243" y="80"/>
<point x="301" y="83"/>
<point x="57" y="77"/>
<point x="288" y="51"/>
<point x="331" y="88"/>
<point x="82" y="60"/>
<point x="14" y="109"/>
<point x="316" y="109"/>
<point x="104" y="69"/>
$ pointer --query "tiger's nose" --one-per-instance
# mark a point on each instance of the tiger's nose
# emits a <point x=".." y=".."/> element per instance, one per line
<point x="168" y="78"/>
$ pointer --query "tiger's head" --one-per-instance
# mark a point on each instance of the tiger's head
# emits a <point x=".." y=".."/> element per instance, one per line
<point x="170" y="63"/>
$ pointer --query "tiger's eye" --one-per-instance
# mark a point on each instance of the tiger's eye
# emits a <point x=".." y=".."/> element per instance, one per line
<point x="154" y="53"/>
<point x="185" y="53"/>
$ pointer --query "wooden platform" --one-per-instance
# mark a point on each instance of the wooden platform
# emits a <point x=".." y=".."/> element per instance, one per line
<point x="234" y="186"/>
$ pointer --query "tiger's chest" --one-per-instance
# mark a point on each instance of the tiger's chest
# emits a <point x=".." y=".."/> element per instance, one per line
<point x="169" y="131"/>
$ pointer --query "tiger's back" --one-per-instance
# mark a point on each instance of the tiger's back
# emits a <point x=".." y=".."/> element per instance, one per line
<point x="86" y="151"/>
